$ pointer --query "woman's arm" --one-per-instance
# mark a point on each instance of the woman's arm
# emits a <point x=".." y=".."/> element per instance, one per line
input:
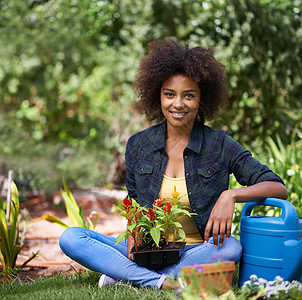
<point x="130" y="244"/>
<point x="220" y="220"/>
<point x="260" y="191"/>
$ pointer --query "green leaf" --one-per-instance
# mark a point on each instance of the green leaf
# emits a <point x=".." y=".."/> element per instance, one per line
<point x="9" y="236"/>
<point x="122" y="236"/>
<point x="134" y="203"/>
<point x="144" y="218"/>
<point x="160" y="212"/>
<point x="71" y="209"/>
<point x="14" y="212"/>
<point x="82" y="220"/>
<point x="1" y="255"/>
<point x="52" y="219"/>
<point x="13" y="225"/>
<point x="120" y="205"/>
<point x="177" y="224"/>
<point x="182" y="234"/>
<point x="185" y="212"/>
<point x="4" y="234"/>
<point x="281" y="146"/>
<point x="155" y="234"/>
<point x="131" y="227"/>
<point x="176" y="210"/>
<point x="1" y="204"/>
<point x="16" y="251"/>
<point x="275" y="150"/>
<point x="15" y="196"/>
<point x="74" y="212"/>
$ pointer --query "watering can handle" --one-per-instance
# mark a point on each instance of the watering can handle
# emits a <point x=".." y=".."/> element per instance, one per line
<point x="288" y="210"/>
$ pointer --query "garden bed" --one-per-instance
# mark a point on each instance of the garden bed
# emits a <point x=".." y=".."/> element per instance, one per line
<point x="44" y="236"/>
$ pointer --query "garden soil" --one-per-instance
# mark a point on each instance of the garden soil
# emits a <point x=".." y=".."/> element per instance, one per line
<point x="44" y="237"/>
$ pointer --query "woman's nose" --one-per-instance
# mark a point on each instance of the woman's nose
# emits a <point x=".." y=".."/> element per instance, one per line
<point x="178" y="103"/>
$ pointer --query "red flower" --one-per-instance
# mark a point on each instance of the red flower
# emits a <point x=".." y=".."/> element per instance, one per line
<point x="127" y="204"/>
<point x="167" y="208"/>
<point x="151" y="214"/>
<point x="158" y="202"/>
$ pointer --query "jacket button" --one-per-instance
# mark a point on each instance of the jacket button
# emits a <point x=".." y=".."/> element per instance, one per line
<point x="209" y="172"/>
<point x="189" y="193"/>
<point x="186" y="157"/>
<point x="187" y="174"/>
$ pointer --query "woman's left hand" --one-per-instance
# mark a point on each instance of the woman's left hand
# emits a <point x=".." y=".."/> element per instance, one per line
<point x="220" y="220"/>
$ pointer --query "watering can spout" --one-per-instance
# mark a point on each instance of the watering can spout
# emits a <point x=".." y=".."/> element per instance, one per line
<point x="292" y="259"/>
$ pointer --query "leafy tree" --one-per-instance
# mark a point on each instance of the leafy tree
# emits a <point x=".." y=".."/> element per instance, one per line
<point x="66" y="70"/>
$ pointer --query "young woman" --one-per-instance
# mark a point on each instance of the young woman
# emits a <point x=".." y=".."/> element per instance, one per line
<point x="180" y="88"/>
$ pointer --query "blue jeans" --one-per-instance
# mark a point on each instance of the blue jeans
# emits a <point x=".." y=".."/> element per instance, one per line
<point x="99" y="253"/>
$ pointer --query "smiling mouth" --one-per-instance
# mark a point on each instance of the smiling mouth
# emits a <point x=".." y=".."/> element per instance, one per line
<point x="178" y="114"/>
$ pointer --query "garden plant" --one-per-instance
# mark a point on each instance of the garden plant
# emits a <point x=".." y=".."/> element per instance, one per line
<point x="10" y="242"/>
<point x="153" y="226"/>
<point x="74" y="212"/>
<point x="286" y="161"/>
<point x="260" y="288"/>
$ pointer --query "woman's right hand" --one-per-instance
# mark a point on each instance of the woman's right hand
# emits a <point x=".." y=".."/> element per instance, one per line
<point x="130" y="244"/>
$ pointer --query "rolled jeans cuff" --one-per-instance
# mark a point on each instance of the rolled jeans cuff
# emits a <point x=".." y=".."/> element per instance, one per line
<point x="161" y="281"/>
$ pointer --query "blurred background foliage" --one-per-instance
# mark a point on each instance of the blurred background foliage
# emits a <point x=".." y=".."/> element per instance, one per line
<point x="67" y="68"/>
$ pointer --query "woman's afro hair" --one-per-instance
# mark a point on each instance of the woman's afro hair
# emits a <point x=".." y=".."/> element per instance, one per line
<point x="167" y="57"/>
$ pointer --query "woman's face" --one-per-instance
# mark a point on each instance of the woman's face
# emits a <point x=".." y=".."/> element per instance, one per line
<point x="180" y="98"/>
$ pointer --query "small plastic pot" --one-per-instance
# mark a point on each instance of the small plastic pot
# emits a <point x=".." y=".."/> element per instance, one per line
<point x="158" y="259"/>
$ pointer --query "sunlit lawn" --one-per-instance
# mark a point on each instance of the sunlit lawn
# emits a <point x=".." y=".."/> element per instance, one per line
<point x="84" y="285"/>
<point x="81" y="286"/>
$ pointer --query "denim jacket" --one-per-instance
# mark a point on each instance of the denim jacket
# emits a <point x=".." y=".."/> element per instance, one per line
<point x="210" y="157"/>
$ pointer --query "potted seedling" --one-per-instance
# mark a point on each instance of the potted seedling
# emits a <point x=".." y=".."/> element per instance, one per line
<point x="158" y="236"/>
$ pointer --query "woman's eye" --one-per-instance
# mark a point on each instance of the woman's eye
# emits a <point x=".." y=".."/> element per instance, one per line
<point x="168" y="94"/>
<point x="189" y="95"/>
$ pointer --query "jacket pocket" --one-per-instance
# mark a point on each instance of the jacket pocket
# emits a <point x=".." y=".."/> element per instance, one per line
<point x="213" y="179"/>
<point x="143" y="178"/>
<point x="144" y="169"/>
<point x="210" y="169"/>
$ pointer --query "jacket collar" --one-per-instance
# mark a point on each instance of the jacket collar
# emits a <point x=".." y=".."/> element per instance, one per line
<point x="197" y="137"/>
<point x="195" y="142"/>
<point x="160" y="136"/>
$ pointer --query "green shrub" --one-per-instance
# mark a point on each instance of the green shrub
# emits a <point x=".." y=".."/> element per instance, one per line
<point x="66" y="70"/>
<point x="286" y="161"/>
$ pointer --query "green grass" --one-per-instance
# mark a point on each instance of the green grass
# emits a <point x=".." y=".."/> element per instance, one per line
<point x="83" y="285"/>
<point x="79" y="286"/>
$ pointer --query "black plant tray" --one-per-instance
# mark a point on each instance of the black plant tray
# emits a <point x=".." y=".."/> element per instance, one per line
<point x="158" y="259"/>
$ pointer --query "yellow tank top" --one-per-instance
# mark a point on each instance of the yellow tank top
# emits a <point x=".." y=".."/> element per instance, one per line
<point x="188" y="223"/>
